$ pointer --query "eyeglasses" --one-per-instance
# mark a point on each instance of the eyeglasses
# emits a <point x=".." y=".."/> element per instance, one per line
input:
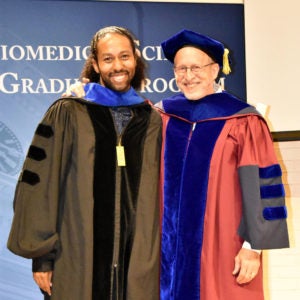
<point x="195" y="69"/>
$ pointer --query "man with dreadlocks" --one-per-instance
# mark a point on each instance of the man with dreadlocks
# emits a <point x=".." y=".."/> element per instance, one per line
<point x="86" y="203"/>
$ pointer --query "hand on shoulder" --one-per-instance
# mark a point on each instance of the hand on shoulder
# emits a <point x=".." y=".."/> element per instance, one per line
<point x="76" y="89"/>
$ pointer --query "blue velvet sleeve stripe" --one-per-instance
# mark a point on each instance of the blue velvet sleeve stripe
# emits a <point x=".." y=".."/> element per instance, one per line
<point x="275" y="213"/>
<point x="272" y="191"/>
<point x="271" y="171"/>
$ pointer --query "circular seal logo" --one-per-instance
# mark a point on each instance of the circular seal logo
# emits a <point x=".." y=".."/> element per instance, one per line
<point x="11" y="152"/>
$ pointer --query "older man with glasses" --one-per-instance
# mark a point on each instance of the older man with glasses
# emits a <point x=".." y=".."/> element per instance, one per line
<point x="223" y="197"/>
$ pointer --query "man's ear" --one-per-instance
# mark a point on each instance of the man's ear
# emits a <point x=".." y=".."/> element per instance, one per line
<point x="216" y="70"/>
<point x="95" y="66"/>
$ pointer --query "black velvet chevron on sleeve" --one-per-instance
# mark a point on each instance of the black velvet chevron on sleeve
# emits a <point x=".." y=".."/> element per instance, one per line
<point x="30" y="177"/>
<point x="36" y="153"/>
<point x="44" y="131"/>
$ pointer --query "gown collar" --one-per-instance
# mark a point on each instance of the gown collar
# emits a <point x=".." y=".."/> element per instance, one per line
<point x="99" y="94"/>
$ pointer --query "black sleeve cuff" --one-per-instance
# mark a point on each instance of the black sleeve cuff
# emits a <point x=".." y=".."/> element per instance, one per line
<point x="42" y="264"/>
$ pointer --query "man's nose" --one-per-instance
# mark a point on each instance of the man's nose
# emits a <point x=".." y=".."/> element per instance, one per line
<point x="189" y="73"/>
<point x="118" y="64"/>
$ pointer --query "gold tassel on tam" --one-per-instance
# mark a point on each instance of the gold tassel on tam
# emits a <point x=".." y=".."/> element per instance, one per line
<point x="226" y="67"/>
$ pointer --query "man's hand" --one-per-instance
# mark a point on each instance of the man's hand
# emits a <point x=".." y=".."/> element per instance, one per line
<point x="247" y="263"/>
<point x="76" y="89"/>
<point x="43" y="280"/>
